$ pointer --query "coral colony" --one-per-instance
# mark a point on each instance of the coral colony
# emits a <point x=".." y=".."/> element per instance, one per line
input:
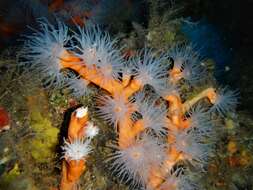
<point x="160" y="134"/>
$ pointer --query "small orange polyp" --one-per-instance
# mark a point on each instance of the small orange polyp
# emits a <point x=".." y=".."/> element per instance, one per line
<point x="77" y="124"/>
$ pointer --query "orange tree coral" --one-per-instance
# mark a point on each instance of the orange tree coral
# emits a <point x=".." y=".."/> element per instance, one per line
<point x="76" y="148"/>
<point x="157" y="128"/>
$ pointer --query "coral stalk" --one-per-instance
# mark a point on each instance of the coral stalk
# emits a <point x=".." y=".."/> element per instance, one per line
<point x="76" y="148"/>
<point x="112" y="86"/>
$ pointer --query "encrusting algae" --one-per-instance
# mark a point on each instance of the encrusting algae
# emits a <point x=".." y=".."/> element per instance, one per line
<point x="152" y="150"/>
<point x="41" y="149"/>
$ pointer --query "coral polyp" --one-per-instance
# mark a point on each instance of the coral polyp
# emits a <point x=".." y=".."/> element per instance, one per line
<point x="134" y="163"/>
<point x="76" y="150"/>
<point x="149" y="68"/>
<point x="96" y="48"/>
<point x="42" y="51"/>
<point x="159" y="127"/>
<point x="187" y="64"/>
<point x="152" y="115"/>
<point x="226" y="101"/>
<point x="114" y="109"/>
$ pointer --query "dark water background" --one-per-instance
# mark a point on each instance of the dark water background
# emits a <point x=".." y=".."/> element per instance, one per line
<point x="234" y="19"/>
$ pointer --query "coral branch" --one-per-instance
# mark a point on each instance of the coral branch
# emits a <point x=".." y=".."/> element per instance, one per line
<point x="76" y="148"/>
<point x="95" y="76"/>
<point x="208" y="93"/>
<point x="175" y="109"/>
<point x="128" y="132"/>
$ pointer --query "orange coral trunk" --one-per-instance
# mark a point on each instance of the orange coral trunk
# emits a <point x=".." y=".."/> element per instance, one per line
<point x="71" y="172"/>
<point x="73" y="169"/>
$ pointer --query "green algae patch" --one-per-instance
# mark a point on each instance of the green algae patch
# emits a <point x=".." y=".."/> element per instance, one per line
<point x="42" y="146"/>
